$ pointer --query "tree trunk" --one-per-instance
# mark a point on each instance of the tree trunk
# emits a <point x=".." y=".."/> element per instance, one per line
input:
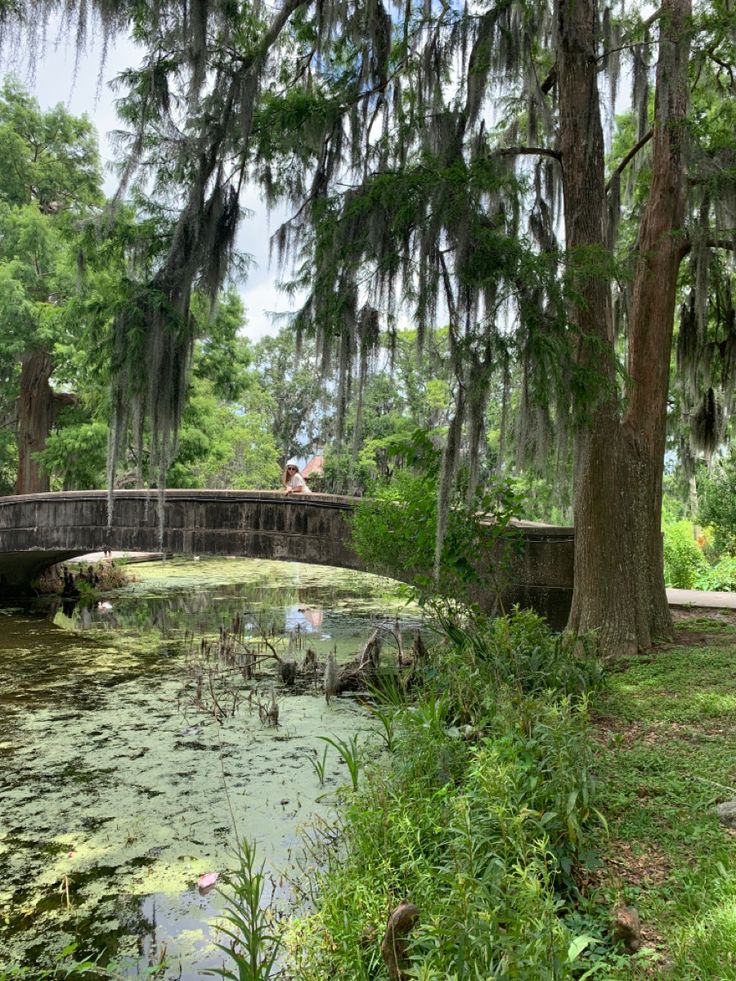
<point x="653" y="302"/>
<point x="619" y="583"/>
<point x="36" y="407"/>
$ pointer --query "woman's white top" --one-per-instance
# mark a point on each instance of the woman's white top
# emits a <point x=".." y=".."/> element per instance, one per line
<point x="298" y="481"/>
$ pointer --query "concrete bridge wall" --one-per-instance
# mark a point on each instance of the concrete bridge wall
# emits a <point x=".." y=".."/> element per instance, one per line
<point x="37" y="531"/>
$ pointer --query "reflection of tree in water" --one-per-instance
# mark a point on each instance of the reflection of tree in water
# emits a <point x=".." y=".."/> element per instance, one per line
<point x="84" y="926"/>
<point x="203" y="609"/>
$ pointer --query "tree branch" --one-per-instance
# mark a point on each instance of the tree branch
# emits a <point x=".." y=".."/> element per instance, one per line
<point x="711" y="52"/>
<point x="712" y="243"/>
<point x="629" y="157"/>
<point x="542" y="151"/>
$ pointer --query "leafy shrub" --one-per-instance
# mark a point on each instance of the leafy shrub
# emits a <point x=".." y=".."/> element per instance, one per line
<point x="717" y="497"/>
<point x="395" y="530"/>
<point x="521" y="651"/>
<point x="720" y="576"/>
<point x="480" y="818"/>
<point x="683" y="559"/>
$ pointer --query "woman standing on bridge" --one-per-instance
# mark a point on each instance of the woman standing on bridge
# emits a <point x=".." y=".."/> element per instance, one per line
<point x="293" y="481"/>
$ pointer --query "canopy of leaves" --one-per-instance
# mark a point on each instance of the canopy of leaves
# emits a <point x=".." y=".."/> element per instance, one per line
<point x="396" y="133"/>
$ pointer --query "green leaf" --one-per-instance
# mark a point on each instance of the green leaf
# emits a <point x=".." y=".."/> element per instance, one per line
<point x="577" y="946"/>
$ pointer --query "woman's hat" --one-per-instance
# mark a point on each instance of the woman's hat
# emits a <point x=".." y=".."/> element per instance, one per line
<point x="291" y="463"/>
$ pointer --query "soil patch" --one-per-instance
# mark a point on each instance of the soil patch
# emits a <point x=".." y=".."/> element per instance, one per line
<point x="648" y="866"/>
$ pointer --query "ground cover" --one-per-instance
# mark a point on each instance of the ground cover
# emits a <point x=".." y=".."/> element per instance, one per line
<point x="666" y="755"/>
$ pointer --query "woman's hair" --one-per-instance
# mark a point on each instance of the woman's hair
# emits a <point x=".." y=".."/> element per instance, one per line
<point x="285" y="474"/>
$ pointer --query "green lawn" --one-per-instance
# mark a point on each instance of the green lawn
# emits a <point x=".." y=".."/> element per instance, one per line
<point x="667" y="755"/>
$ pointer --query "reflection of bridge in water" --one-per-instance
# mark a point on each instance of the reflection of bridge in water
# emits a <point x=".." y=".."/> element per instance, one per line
<point x="39" y="530"/>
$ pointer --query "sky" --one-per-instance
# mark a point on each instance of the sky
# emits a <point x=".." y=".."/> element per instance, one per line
<point x="86" y="90"/>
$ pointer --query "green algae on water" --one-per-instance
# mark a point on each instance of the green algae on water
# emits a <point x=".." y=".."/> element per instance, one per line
<point x="117" y="795"/>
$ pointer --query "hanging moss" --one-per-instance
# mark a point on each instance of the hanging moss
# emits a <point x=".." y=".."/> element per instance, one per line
<point x="707" y="425"/>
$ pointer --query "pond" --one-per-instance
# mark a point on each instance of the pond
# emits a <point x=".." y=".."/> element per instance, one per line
<point x="118" y="786"/>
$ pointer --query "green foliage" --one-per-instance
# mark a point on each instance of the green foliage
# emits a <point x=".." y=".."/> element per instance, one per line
<point x="717" y="502"/>
<point x="683" y="559"/>
<point x="480" y="818"/>
<point x="76" y="451"/>
<point x="319" y="766"/>
<point x="520" y="651"/>
<point x="719" y="576"/>
<point x="49" y="184"/>
<point x="222" y="444"/>
<point x="223" y="355"/>
<point x="67" y="966"/>
<point x="396" y="529"/>
<point x="8" y="460"/>
<point x="300" y="416"/>
<point x="252" y="946"/>
<point x="343" y="476"/>
<point x="49" y="158"/>
<point x="348" y="752"/>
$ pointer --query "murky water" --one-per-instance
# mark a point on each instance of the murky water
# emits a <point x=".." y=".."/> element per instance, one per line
<point x="118" y="788"/>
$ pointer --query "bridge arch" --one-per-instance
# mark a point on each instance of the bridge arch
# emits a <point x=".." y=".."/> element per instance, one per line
<point x="39" y="530"/>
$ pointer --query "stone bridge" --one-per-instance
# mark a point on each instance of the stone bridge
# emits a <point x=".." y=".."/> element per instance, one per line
<point x="39" y="530"/>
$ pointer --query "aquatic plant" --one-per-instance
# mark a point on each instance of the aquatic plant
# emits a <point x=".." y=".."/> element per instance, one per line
<point x="220" y="668"/>
<point x="253" y="944"/>
<point x="319" y="766"/>
<point x="349" y="753"/>
<point x="67" y="967"/>
<point x="387" y="721"/>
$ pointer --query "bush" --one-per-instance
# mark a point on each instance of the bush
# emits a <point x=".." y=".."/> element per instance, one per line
<point x="720" y="576"/>
<point x="480" y="819"/>
<point x="519" y="650"/>
<point x="717" y="495"/>
<point x="683" y="558"/>
<point x="395" y="530"/>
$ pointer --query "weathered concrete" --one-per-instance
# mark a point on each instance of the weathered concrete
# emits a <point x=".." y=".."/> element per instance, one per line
<point x="39" y="530"/>
<point x="701" y="599"/>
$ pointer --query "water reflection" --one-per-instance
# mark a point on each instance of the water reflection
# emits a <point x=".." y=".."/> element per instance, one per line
<point x="115" y="795"/>
<point x="307" y="619"/>
<point x="335" y="607"/>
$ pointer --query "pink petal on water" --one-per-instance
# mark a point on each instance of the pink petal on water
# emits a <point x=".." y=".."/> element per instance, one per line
<point x="207" y="881"/>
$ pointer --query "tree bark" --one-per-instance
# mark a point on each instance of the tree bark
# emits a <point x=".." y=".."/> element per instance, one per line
<point x="36" y="406"/>
<point x="619" y="583"/>
<point x="653" y="301"/>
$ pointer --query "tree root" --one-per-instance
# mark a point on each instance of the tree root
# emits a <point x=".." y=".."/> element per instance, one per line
<point x="393" y="945"/>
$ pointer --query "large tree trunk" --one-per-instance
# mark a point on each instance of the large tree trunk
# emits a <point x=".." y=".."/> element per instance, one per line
<point x="619" y="583"/>
<point x="36" y="407"/>
<point x="652" y="311"/>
